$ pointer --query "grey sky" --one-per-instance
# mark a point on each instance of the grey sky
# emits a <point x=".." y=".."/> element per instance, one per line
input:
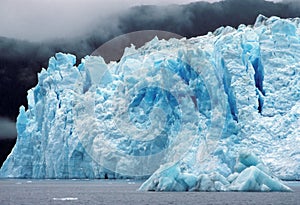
<point x="42" y="19"/>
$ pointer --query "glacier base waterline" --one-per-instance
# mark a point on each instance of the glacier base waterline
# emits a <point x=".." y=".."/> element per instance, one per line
<point x="188" y="113"/>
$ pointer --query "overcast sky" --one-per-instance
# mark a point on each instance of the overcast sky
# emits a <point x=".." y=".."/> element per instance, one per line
<point x="41" y="19"/>
<point x="37" y="20"/>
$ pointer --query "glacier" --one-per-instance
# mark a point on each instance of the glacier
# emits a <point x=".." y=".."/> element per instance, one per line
<point x="219" y="112"/>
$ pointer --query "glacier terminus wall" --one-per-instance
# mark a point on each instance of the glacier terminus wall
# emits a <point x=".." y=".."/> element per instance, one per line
<point x="219" y="112"/>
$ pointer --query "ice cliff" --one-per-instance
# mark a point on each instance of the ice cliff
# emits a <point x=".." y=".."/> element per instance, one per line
<point x="213" y="113"/>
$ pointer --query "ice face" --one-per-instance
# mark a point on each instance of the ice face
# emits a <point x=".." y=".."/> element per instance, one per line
<point x="213" y="113"/>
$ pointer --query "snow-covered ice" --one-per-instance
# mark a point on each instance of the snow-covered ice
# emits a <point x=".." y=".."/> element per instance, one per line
<point x="219" y="112"/>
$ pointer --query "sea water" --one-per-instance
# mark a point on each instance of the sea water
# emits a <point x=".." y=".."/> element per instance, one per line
<point x="25" y="191"/>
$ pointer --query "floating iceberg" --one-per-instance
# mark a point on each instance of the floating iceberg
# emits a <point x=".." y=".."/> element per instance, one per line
<point x="250" y="175"/>
<point x="219" y="112"/>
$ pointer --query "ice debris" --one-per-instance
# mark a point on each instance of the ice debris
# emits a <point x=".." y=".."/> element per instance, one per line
<point x="250" y="174"/>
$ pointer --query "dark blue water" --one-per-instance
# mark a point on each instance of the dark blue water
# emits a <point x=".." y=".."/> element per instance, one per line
<point x="125" y="192"/>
